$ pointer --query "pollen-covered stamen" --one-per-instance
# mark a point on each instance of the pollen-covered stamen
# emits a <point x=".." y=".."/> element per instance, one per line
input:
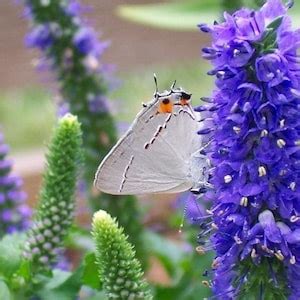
<point x="206" y="283"/>
<point x="282" y="172"/>
<point x="282" y="123"/>
<point x="220" y="74"/>
<point x="236" y="52"/>
<point x="278" y="254"/>
<point x="244" y="201"/>
<point x="200" y="250"/>
<point x="281" y="143"/>
<point x="266" y="249"/>
<point x="215" y="264"/>
<point x="236" y="129"/>
<point x="253" y="253"/>
<point x="292" y="186"/>
<point x="264" y="133"/>
<point x="227" y="178"/>
<point x="214" y="226"/>
<point x="238" y="240"/>
<point x="262" y="171"/>
<point x="293" y="260"/>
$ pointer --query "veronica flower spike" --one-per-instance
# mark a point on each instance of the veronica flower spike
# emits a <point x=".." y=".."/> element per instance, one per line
<point x="15" y="214"/>
<point x="255" y="139"/>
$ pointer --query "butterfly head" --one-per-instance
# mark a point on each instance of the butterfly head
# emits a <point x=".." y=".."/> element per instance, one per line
<point x="169" y="98"/>
<point x="180" y="96"/>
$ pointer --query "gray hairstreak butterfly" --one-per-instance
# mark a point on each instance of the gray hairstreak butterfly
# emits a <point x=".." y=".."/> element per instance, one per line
<point x="160" y="151"/>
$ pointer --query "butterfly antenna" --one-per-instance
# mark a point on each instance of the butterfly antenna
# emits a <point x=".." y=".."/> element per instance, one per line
<point x="173" y="85"/>
<point x="156" y="86"/>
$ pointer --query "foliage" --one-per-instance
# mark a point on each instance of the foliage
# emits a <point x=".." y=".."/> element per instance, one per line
<point x="180" y="15"/>
<point x="185" y="15"/>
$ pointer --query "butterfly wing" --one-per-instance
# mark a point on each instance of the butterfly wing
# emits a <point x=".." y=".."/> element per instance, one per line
<point x="154" y="154"/>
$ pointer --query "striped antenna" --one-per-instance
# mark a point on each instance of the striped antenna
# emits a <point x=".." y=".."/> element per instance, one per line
<point x="173" y="85"/>
<point x="156" y="86"/>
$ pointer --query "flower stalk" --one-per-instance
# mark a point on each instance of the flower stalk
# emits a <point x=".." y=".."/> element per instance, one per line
<point x="119" y="270"/>
<point x="56" y="206"/>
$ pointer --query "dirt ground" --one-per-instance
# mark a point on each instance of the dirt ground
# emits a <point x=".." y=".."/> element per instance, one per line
<point x="132" y="45"/>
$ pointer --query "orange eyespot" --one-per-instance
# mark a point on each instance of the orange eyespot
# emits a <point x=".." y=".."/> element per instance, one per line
<point x="165" y="106"/>
<point x="184" y="101"/>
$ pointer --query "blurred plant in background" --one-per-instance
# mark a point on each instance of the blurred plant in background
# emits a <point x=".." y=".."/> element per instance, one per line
<point x="178" y="15"/>
<point x="14" y="212"/>
<point x="182" y="15"/>
<point x="72" y="50"/>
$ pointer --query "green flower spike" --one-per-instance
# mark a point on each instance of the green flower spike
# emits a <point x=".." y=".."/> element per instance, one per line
<point x="57" y="199"/>
<point x="119" y="270"/>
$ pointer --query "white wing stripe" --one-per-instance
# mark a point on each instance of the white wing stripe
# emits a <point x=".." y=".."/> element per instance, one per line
<point x="125" y="173"/>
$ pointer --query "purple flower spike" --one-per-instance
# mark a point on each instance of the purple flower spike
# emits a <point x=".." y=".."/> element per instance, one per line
<point x="85" y="40"/>
<point x="40" y="37"/>
<point x="69" y="44"/>
<point x="14" y="213"/>
<point x="254" y="132"/>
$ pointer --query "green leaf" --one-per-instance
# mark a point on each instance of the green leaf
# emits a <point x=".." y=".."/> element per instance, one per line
<point x="10" y="254"/>
<point x="63" y="285"/>
<point x="183" y="15"/>
<point x="25" y="270"/>
<point x="270" y="36"/>
<point x="90" y="272"/>
<point x="4" y="291"/>
<point x="274" y="25"/>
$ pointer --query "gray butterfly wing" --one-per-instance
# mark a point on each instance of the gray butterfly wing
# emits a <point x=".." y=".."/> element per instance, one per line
<point x="154" y="154"/>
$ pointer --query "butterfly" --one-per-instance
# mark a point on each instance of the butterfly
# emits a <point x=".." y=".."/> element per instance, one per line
<point x="160" y="151"/>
